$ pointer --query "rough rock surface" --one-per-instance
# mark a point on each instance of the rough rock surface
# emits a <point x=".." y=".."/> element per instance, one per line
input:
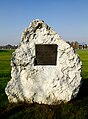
<point x="43" y="84"/>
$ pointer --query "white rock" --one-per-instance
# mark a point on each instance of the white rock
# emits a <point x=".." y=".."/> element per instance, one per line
<point x="43" y="84"/>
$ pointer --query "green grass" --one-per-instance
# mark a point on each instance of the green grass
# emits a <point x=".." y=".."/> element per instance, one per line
<point x="5" y="68"/>
<point x="84" y="58"/>
<point x="75" y="109"/>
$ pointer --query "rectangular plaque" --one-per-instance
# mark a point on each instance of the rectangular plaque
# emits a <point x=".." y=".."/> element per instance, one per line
<point x="46" y="54"/>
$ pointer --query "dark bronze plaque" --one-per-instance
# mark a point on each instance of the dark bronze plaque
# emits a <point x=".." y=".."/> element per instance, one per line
<point x="46" y="54"/>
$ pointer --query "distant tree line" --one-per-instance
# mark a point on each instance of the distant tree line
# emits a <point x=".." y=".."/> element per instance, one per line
<point x="9" y="46"/>
<point x="77" y="45"/>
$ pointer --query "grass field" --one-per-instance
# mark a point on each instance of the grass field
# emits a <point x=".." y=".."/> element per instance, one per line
<point x="5" y="68"/>
<point x="84" y="58"/>
<point x="75" y="109"/>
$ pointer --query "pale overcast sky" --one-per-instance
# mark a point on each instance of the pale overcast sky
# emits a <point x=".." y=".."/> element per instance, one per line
<point x="68" y="17"/>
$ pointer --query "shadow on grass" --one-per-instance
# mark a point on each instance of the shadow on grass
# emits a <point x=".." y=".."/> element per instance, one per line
<point x="28" y="111"/>
<point x="83" y="91"/>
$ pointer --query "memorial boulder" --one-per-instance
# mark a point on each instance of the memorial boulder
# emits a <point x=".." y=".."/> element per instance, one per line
<point x="45" y="68"/>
